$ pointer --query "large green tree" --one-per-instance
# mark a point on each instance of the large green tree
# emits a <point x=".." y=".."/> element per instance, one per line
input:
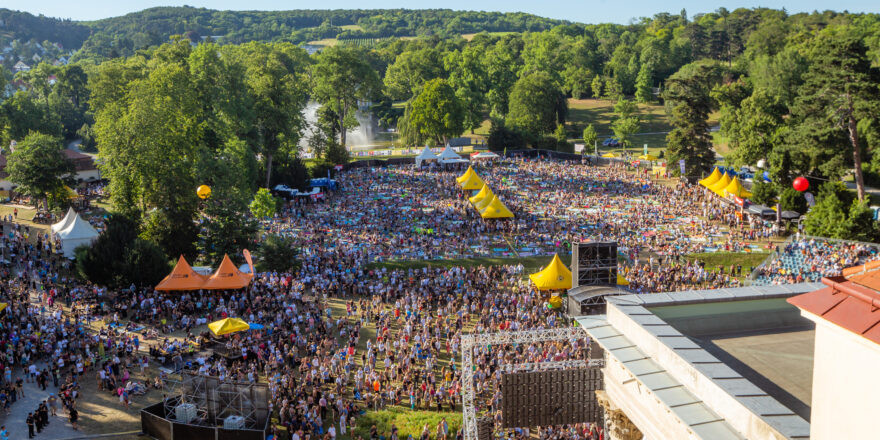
<point x="688" y="102"/>
<point x="434" y="115"/>
<point x="38" y="166"/>
<point x="340" y="78"/>
<point x="840" y="93"/>
<point x="627" y="123"/>
<point x="534" y="104"/>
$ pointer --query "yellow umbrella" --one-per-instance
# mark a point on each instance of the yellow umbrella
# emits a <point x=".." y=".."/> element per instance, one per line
<point x="610" y="155"/>
<point x="648" y="157"/>
<point x="555" y="302"/>
<point x="227" y="326"/>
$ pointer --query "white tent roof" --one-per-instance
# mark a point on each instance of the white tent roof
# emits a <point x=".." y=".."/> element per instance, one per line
<point x="449" y="153"/>
<point x="65" y="222"/>
<point x="485" y="155"/>
<point x="426" y="154"/>
<point x="78" y="229"/>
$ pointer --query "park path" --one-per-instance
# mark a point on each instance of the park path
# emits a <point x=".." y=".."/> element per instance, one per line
<point x="59" y="427"/>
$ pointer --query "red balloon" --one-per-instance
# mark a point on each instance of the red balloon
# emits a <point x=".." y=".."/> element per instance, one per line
<point x="801" y="184"/>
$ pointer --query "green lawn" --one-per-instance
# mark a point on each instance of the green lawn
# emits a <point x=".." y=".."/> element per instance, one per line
<point x="407" y="422"/>
<point x="726" y="259"/>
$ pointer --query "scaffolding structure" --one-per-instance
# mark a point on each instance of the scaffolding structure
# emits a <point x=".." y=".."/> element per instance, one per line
<point x="216" y="399"/>
<point x="470" y="341"/>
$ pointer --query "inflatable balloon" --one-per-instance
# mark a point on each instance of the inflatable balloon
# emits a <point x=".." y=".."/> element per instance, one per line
<point x="555" y="302"/>
<point x="203" y="191"/>
<point x="801" y="184"/>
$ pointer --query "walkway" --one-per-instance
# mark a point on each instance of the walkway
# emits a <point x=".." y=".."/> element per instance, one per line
<point x="58" y="428"/>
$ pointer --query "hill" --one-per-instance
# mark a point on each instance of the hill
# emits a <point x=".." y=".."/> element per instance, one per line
<point x="123" y="35"/>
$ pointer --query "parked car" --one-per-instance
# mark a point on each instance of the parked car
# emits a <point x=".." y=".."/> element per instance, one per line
<point x="611" y="142"/>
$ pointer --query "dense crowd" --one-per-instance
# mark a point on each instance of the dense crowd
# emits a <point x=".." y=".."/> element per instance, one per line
<point x="341" y="335"/>
<point x="810" y="259"/>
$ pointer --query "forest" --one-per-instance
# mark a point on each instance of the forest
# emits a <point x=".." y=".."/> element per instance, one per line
<point x="797" y="92"/>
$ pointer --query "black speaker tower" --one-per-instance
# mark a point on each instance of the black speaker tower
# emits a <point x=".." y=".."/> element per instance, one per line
<point x="594" y="263"/>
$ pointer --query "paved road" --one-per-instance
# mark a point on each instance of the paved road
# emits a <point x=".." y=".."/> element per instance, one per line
<point x="58" y="428"/>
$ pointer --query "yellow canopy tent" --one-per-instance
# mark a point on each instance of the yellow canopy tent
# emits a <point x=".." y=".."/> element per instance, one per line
<point x="722" y="183"/>
<point x="484" y="202"/>
<point x="709" y="181"/>
<point x="610" y="155"/>
<point x="648" y="157"/>
<point x="472" y="182"/>
<point x="735" y="188"/>
<point x="496" y="209"/>
<point x="485" y="192"/>
<point x="467" y="174"/>
<point x="621" y="281"/>
<point x="228" y="325"/>
<point x="554" y="276"/>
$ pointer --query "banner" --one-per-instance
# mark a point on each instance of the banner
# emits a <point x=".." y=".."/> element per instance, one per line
<point x="578" y="148"/>
<point x="681" y="164"/>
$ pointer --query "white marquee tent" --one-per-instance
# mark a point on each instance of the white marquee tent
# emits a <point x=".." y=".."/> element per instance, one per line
<point x="450" y="156"/>
<point x="426" y="154"/>
<point x="78" y="232"/>
<point x="65" y="222"/>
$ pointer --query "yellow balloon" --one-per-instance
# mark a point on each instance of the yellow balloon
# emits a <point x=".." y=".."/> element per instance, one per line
<point x="204" y="191"/>
<point x="555" y="302"/>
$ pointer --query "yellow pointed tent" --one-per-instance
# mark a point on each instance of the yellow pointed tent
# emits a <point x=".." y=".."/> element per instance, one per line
<point x="484" y="192"/>
<point x="722" y="183"/>
<point x="472" y="182"/>
<point x="554" y="276"/>
<point x="484" y="202"/>
<point x="735" y="188"/>
<point x="621" y="281"/>
<point x="467" y="174"/>
<point x="496" y="209"/>
<point x="708" y="181"/>
<point x="228" y="325"/>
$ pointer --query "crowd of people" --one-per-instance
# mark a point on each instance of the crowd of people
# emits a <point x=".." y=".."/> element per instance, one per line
<point x="343" y="334"/>
<point x="810" y="259"/>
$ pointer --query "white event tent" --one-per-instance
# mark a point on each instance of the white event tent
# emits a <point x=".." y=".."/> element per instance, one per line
<point x="72" y="232"/>
<point x="450" y="156"/>
<point x="426" y="154"/>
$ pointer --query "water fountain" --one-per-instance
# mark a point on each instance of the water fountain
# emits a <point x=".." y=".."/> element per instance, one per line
<point x="358" y="138"/>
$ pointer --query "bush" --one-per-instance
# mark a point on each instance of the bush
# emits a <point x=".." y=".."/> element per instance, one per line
<point x="792" y="200"/>
<point x="501" y="137"/>
<point x="763" y="193"/>
<point x="277" y="254"/>
<point x="119" y="258"/>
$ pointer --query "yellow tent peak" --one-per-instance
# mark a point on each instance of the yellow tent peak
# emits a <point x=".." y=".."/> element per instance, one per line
<point x="496" y="209"/>
<point x="722" y="183"/>
<point x="484" y="192"/>
<point x="472" y="182"/>
<point x="228" y="325"/>
<point x="709" y="181"/>
<point x="484" y="202"/>
<point x="735" y="188"/>
<point x="467" y="174"/>
<point x="554" y="276"/>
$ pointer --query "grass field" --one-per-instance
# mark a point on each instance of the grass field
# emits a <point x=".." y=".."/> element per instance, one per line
<point x="470" y="37"/>
<point x="408" y="423"/>
<point x="745" y="259"/>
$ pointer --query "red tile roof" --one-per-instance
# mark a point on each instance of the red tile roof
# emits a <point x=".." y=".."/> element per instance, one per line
<point x="851" y="302"/>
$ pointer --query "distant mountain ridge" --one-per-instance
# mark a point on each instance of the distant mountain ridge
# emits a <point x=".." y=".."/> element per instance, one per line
<point x="120" y="36"/>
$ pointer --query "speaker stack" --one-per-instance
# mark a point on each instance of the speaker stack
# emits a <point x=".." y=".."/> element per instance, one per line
<point x="594" y="263"/>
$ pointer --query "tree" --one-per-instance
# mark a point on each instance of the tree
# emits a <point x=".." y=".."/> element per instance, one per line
<point x="597" y="86"/>
<point x="688" y="97"/>
<point x="613" y="89"/>
<point x="23" y="114"/>
<point x="576" y="81"/>
<point x="644" y="93"/>
<point x="38" y="166"/>
<point x="225" y="229"/>
<point x="276" y="254"/>
<point x="119" y="258"/>
<point x="860" y="224"/>
<point x="264" y="204"/>
<point x="791" y="199"/>
<point x="627" y="122"/>
<point x="412" y="69"/>
<point x="763" y="193"/>
<point x="340" y="78"/>
<point x="468" y="76"/>
<point x="590" y="137"/>
<point x="534" y="104"/>
<point x="502" y="138"/>
<point x="825" y="218"/>
<point x="756" y="129"/>
<point x="840" y="91"/>
<point x="435" y="114"/>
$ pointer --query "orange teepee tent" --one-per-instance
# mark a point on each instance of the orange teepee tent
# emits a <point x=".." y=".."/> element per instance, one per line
<point x="183" y="277"/>
<point x="226" y="277"/>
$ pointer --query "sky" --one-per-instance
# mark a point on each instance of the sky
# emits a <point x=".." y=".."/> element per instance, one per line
<point x="584" y="11"/>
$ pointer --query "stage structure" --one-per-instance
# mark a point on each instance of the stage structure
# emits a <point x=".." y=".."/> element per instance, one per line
<point x="197" y="407"/>
<point x="478" y="429"/>
<point x="594" y="263"/>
